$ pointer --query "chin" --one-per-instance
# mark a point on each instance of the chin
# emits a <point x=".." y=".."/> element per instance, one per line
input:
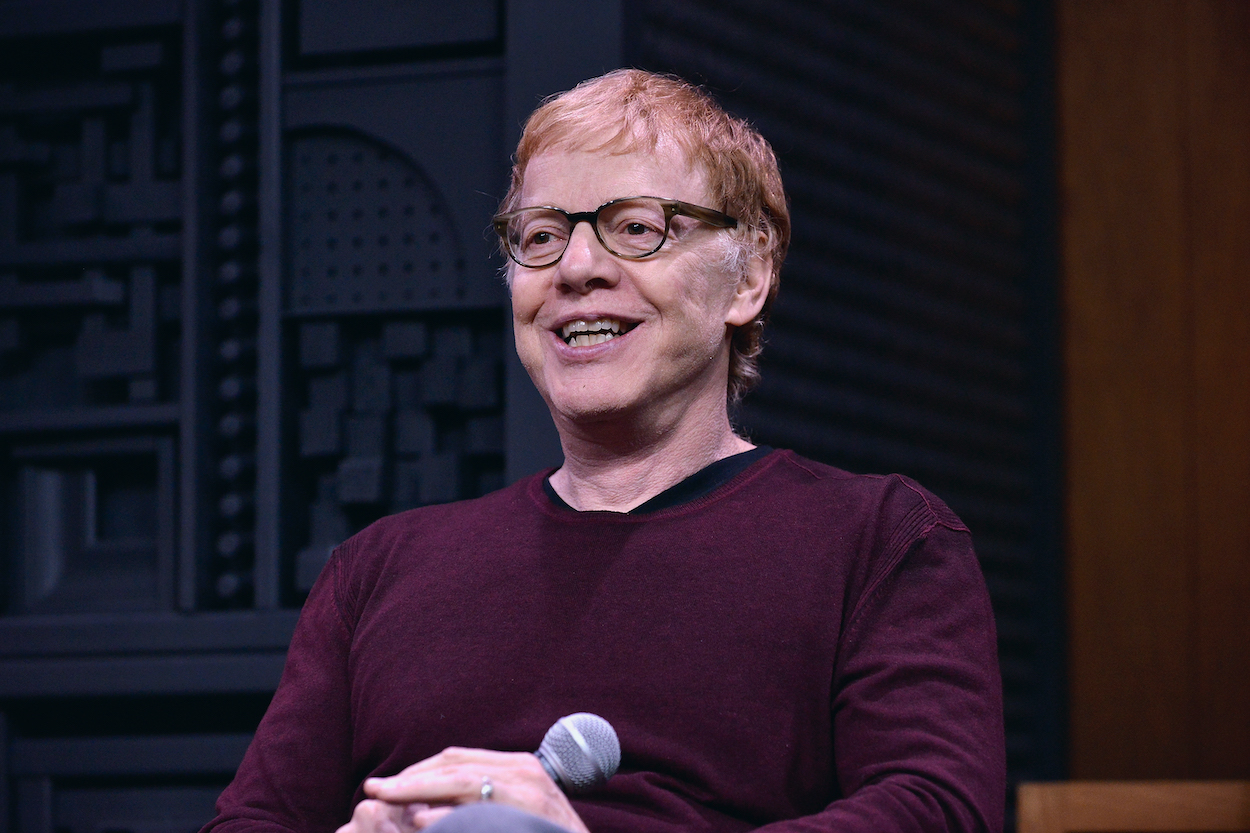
<point x="591" y="405"/>
<point x="591" y="412"/>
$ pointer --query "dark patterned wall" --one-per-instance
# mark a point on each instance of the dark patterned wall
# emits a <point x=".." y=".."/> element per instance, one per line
<point x="249" y="303"/>
<point x="90" y="290"/>
<point x="915" y="327"/>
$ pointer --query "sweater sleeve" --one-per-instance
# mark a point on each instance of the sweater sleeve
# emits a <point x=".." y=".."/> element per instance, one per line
<point x="917" y="696"/>
<point x="296" y="775"/>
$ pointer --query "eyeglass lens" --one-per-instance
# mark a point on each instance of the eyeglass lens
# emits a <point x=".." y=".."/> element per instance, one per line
<point x="628" y="228"/>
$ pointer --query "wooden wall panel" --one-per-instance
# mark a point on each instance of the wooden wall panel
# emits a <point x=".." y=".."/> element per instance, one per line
<point x="1152" y="99"/>
<point x="1123" y="259"/>
<point x="1219" y="162"/>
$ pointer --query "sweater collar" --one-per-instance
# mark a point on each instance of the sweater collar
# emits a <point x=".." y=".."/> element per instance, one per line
<point x="702" y="482"/>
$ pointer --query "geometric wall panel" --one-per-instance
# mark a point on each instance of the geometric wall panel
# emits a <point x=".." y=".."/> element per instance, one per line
<point x="95" y="532"/>
<point x="90" y="224"/>
<point x="238" y="322"/>
<point x="91" y="283"/>
<point x="395" y="401"/>
<point x="369" y="231"/>
<point x="393" y="411"/>
<point x="413" y="158"/>
<point x="220" y="527"/>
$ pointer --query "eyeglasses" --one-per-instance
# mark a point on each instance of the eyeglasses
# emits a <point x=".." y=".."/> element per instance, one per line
<point x="630" y="227"/>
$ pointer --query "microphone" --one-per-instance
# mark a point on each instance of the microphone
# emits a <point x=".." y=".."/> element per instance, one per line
<point x="580" y="752"/>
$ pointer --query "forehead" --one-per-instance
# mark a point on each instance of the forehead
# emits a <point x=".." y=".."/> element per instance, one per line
<point x="581" y="180"/>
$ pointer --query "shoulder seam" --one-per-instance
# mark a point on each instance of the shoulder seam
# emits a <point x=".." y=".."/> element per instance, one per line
<point x="798" y="463"/>
<point x="942" y="515"/>
<point x="914" y="527"/>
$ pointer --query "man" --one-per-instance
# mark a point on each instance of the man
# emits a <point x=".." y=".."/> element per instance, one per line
<point x="778" y="643"/>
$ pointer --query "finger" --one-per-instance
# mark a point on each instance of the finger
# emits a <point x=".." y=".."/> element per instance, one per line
<point x="422" y="819"/>
<point x="454" y="776"/>
<point x="441" y="786"/>
<point x="434" y="765"/>
<point x="378" y="817"/>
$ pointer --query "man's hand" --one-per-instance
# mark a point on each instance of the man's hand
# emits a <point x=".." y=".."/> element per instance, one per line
<point x="427" y="791"/>
<point x="372" y="816"/>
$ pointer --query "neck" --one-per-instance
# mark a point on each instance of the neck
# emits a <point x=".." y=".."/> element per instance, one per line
<point x="618" y="466"/>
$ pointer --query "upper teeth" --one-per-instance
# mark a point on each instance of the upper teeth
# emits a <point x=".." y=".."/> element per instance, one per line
<point x="583" y="333"/>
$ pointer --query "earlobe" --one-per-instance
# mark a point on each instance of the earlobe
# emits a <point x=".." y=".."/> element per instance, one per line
<point x="751" y="293"/>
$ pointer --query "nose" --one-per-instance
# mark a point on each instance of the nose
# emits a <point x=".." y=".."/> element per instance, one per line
<point x="586" y="264"/>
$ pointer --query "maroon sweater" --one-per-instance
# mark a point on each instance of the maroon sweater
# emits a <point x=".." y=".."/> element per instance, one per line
<point x="800" y="648"/>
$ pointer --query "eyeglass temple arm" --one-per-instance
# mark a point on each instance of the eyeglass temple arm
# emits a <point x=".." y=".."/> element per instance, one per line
<point x="704" y="215"/>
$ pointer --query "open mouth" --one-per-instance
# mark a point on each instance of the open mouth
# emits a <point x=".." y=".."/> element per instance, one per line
<point x="583" y="333"/>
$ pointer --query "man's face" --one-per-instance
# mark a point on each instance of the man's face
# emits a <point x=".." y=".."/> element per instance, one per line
<point x="667" y="315"/>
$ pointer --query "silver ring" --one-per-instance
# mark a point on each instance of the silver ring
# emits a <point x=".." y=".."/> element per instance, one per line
<point x="488" y="789"/>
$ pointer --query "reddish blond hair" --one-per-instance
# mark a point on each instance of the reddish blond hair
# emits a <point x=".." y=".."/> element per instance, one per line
<point x="631" y="110"/>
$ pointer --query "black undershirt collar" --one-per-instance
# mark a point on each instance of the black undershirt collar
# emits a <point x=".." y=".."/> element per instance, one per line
<point x="695" y="486"/>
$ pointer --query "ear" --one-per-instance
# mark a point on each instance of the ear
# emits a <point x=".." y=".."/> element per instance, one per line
<point x="751" y="292"/>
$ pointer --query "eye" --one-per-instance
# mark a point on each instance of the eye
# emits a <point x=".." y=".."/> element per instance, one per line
<point x="633" y="220"/>
<point x="635" y="223"/>
<point x="633" y="228"/>
<point x="539" y="231"/>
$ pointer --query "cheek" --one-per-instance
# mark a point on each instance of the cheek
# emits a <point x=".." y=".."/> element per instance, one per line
<point x="525" y="342"/>
<point x="526" y="300"/>
<point x="707" y="299"/>
<point x="700" y="326"/>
